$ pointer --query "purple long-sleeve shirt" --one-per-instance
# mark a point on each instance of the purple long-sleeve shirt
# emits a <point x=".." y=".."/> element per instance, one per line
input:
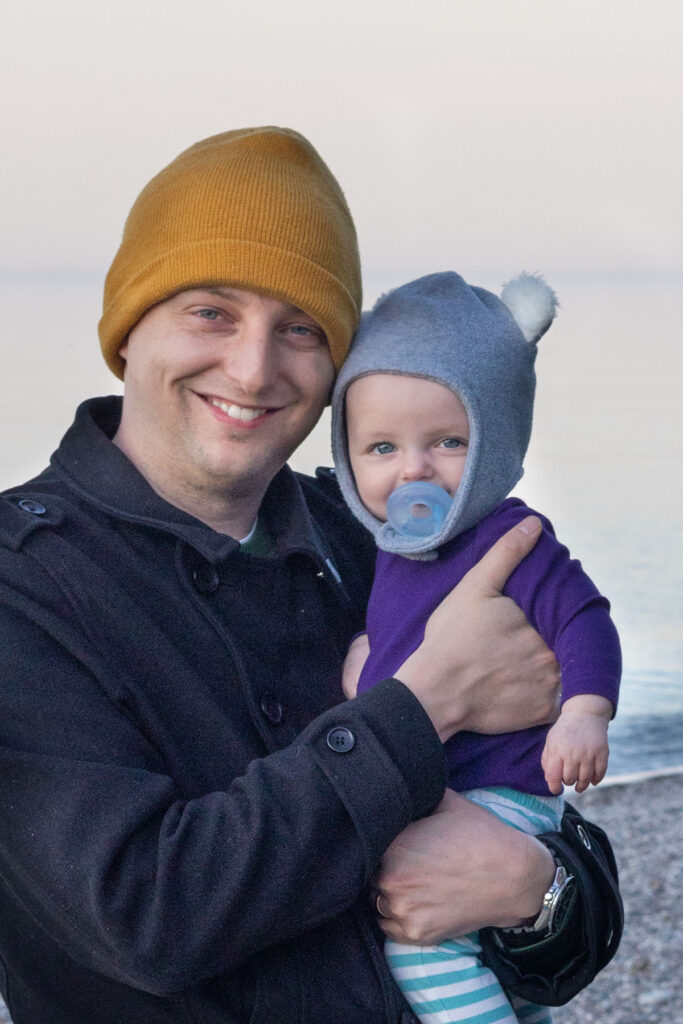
<point x="559" y="600"/>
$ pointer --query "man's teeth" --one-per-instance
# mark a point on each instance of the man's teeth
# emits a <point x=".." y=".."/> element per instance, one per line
<point x="237" y="412"/>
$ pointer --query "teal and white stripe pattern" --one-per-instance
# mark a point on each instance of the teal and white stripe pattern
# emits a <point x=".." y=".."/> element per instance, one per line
<point x="448" y="983"/>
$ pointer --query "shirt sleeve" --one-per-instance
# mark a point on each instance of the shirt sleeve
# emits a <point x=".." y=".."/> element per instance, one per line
<point x="566" y="608"/>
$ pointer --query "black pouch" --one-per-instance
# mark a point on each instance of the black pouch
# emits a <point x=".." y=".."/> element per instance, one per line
<point x="551" y="971"/>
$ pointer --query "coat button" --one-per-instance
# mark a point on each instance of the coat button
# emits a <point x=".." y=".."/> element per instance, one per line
<point x="205" y="579"/>
<point x="340" y="739"/>
<point x="271" y="708"/>
<point x="34" y="507"/>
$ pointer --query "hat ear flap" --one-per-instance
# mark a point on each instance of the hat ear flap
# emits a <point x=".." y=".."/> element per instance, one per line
<point x="532" y="303"/>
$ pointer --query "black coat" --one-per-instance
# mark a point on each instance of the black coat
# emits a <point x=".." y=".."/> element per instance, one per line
<point x="189" y="811"/>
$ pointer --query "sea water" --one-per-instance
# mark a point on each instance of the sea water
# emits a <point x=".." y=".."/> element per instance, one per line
<point x="605" y="462"/>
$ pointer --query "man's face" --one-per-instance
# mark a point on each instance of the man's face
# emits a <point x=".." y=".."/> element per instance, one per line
<point x="403" y="429"/>
<point x="221" y="385"/>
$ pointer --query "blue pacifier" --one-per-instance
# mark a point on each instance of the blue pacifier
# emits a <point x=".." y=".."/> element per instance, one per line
<point x="418" y="509"/>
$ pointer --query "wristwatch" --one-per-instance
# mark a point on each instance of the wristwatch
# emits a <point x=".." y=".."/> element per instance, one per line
<point x="556" y="898"/>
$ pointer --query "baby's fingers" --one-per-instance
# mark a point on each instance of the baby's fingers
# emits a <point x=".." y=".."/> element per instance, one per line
<point x="583" y="776"/>
<point x="590" y="769"/>
<point x="570" y="775"/>
<point x="600" y="766"/>
<point x="553" y="770"/>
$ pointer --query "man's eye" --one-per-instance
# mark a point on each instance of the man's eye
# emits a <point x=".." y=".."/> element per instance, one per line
<point x="309" y="335"/>
<point x="306" y="337"/>
<point x="382" y="448"/>
<point x="208" y="314"/>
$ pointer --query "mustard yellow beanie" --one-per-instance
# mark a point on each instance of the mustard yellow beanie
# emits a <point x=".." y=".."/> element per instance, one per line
<point x="255" y="208"/>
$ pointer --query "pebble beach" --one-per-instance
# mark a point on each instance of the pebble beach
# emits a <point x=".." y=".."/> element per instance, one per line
<point x="644" y="983"/>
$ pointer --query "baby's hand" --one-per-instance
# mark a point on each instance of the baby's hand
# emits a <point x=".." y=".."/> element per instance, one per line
<point x="356" y="657"/>
<point x="576" y="748"/>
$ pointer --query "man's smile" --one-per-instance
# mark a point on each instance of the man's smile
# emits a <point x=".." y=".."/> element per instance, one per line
<point x="244" y="413"/>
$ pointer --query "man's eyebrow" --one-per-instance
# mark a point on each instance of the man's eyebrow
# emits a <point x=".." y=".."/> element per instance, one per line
<point x="224" y="293"/>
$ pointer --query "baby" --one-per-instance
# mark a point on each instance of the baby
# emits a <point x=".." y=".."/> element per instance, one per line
<point x="438" y="388"/>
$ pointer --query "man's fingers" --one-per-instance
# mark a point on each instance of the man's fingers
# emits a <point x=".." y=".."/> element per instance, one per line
<point x="491" y="572"/>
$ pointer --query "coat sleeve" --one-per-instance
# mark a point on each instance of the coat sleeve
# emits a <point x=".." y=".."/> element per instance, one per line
<point x="161" y="892"/>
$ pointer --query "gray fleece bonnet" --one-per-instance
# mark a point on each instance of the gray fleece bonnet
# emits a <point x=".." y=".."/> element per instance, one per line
<point x="480" y="346"/>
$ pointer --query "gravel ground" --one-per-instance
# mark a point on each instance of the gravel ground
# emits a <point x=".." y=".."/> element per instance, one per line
<point x="644" y="982"/>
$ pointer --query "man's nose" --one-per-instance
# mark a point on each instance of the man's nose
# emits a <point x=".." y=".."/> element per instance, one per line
<point x="250" y="361"/>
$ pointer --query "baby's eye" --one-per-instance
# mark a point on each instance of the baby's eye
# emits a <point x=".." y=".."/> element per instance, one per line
<point x="382" y="448"/>
<point x="453" y="442"/>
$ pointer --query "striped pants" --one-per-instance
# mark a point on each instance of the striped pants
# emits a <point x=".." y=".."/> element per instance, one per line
<point x="448" y="982"/>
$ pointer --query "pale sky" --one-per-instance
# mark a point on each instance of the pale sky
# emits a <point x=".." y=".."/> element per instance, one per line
<point x="483" y="135"/>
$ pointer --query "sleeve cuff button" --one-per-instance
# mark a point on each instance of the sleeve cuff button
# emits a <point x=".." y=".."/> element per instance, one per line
<point x="341" y="740"/>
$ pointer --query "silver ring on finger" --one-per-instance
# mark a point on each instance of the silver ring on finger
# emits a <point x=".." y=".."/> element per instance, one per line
<point x="378" y="904"/>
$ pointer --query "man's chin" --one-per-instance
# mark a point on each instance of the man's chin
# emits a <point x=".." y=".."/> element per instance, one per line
<point x="239" y="476"/>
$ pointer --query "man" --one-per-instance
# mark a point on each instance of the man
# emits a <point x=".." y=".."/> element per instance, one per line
<point x="190" y="813"/>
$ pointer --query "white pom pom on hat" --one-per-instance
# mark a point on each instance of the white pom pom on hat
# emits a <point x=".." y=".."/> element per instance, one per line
<point x="532" y="303"/>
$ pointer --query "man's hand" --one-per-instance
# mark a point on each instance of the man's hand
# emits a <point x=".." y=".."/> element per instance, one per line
<point x="457" y="871"/>
<point x="356" y="656"/>
<point x="576" y="748"/>
<point x="481" y="666"/>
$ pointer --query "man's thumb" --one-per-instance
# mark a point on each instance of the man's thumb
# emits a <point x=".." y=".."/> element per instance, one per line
<point x="491" y="572"/>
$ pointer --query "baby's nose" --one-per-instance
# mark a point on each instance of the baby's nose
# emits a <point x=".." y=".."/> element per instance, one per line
<point x="416" y="466"/>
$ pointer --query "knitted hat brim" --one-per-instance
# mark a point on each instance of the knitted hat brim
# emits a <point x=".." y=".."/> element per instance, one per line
<point x="318" y="293"/>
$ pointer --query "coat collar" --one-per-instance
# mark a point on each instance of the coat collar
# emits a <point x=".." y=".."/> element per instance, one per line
<point x="102" y="476"/>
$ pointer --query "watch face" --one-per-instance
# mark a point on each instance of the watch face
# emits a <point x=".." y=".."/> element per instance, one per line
<point x="561" y="898"/>
<point x="555" y="901"/>
<point x="565" y="897"/>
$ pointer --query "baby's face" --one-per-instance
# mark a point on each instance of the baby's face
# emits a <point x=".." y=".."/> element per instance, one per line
<point x="401" y="429"/>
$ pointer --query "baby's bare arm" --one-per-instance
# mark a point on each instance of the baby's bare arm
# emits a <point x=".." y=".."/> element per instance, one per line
<point x="356" y="656"/>
<point x="576" y="749"/>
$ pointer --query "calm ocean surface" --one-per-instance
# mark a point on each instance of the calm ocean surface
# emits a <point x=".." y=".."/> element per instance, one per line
<point x="605" y="462"/>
